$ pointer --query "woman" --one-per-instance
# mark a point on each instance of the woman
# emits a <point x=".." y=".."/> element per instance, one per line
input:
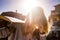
<point x="38" y="18"/>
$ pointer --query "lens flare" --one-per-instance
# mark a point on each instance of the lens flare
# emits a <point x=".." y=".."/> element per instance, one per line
<point x="28" y="5"/>
<point x="36" y="26"/>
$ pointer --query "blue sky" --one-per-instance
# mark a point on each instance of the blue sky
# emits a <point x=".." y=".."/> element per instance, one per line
<point x="5" y="5"/>
<point x="10" y="5"/>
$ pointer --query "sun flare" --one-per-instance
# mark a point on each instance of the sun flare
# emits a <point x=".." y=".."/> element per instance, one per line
<point x="28" y="5"/>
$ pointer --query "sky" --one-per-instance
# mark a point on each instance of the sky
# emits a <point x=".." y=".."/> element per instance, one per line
<point x="20" y="5"/>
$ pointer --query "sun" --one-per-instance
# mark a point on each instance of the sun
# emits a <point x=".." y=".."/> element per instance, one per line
<point x="28" y="5"/>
